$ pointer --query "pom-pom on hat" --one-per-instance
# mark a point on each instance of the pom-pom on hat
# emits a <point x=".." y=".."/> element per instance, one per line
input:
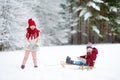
<point x="89" y="45"/>
<point x="31" y="22"/>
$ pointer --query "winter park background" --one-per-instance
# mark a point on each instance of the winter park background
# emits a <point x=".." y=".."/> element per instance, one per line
<point x="66" y="26"/>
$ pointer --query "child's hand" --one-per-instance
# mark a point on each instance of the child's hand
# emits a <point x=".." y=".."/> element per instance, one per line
<point x="78" y="57"/>
<point x="84" y="60"/>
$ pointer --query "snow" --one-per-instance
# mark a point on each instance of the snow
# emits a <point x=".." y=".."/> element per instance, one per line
<point x="84" y="10"/>
<point x="92" y="4"/>
<point x="74" y="24"/>
<point x="96" y="30"/>
<point x="78" y="9"/>
<point x="87" y="15"/>
<point x="107" y="66"/>
<point x="73" y="32"/>
<point x="98" y="1"/>
<point x="113" y="9"/>
<point x="118" y="21"/>
<point x="103" y="17"/>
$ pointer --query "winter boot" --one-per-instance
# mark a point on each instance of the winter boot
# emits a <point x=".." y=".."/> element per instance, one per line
<point x="68" y="59"/>
<point x="35" y="66"/>
<point x="71" y="62"/>
<point x="22" y="66"/>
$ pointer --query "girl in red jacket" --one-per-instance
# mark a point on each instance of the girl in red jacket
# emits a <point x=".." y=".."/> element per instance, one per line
<point x="32" y="36"/>
<point x="86" y="60"/>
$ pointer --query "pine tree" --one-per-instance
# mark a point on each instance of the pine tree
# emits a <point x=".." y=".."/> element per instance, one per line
<point x="100" y="17"/>
<point x="4" y="30"/>
<point x="13" y="23"/>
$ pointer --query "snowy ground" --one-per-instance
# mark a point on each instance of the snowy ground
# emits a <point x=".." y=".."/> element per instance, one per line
<point x="107" y="65"/>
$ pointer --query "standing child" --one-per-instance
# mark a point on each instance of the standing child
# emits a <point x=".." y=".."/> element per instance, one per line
<point x="32" y="36"/>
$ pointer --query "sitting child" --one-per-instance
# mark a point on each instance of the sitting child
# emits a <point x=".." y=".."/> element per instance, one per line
<point x="86" y="60"/>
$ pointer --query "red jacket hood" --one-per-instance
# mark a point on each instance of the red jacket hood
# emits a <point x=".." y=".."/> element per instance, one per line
<point x="95" y="51"/>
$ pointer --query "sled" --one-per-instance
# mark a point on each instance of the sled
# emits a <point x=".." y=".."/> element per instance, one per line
<point x="64" y="64"/>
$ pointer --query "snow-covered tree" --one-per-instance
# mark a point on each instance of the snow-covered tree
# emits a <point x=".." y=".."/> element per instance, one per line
<point x="5" y="37"/>
<point x="50" y="19"/>
<point x="96" y="16"/>
<point x="13" y="23"/>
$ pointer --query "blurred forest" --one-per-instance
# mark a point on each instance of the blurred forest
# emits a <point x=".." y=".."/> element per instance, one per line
<point x="97" y="21"/>
<point x="61" y="22"/>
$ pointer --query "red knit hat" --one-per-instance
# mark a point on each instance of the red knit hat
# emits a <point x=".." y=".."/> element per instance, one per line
<point x="31" y="22"/>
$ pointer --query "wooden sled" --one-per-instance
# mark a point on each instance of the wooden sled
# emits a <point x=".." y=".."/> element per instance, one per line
<point x="63" y="64"/>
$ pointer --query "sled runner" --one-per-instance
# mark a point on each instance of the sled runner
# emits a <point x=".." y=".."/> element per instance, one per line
<point x="64" y="64"/>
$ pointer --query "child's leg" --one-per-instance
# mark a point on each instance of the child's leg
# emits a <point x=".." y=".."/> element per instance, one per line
<point x="78" y="63"/>
<point x="27" y="52"/>
<point x="34" y="58"/>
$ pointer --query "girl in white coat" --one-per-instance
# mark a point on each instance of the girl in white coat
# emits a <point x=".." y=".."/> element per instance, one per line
<point x="32" y="36"/>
